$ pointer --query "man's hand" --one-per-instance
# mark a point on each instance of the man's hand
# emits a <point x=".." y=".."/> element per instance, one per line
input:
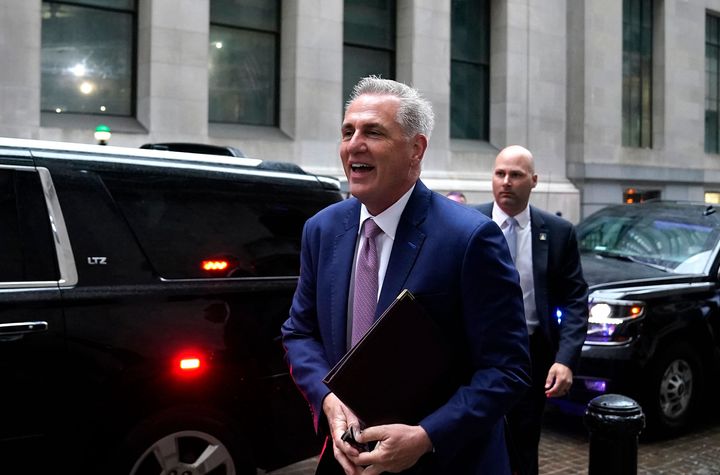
<point x="398" y="448"/>
<point x="340" y="418"/>
<point x="558" y="381"/>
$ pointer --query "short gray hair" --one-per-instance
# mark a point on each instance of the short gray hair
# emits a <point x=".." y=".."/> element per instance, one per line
<point x="415" y="114"/>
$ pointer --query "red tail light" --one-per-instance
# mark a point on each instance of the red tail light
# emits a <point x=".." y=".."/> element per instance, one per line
<point x="190" y="363"/>
<point x="219" y="266"/>
<point x="215" y="265"/>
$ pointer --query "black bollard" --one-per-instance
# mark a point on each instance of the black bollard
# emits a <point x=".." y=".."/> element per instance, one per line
<point x="614" y="422"/>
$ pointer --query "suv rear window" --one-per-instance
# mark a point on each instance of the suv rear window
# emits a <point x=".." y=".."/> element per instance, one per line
<point x="182" y="224"/>
<point x="26" y="246"/>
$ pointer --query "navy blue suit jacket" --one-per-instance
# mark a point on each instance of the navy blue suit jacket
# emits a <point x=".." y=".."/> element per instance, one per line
<point x="558" y="282"/>
<point x="457" y="264"/>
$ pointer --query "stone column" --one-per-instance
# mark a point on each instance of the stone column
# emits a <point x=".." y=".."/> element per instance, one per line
<point x="311" y="81"/>
<point x="172" y="70"/>
<point x="528" y="68"/>
<point x="20" y="30"/>
<point x="423" y="61"/>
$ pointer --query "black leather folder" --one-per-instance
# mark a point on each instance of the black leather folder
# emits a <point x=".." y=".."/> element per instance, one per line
<point x="400" y="371"/>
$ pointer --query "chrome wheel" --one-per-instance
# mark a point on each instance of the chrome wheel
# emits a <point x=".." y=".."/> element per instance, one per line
<point x="186" y="453"/>
<point x="676" y="389"/>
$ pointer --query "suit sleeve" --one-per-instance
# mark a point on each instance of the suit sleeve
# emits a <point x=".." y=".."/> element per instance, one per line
<point x="494" y="324"/>
<point x="301" y="332"/>
<point x="571" y="293"/>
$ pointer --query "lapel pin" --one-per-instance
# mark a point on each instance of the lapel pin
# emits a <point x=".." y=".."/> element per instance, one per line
<point x="542" y="236"/>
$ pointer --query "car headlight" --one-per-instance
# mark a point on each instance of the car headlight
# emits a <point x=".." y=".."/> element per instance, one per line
<point x="608" y="317"/>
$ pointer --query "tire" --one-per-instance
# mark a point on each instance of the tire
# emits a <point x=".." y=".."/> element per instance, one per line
<point x="674" y="390"/>
<point x="184" y="442"/>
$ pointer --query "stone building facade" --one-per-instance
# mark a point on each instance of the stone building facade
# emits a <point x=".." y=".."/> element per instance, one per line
<point x="556" y="84"/>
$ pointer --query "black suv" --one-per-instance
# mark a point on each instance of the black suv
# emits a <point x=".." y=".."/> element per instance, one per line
<point x="141" y="297"/>
<point x="654" y="331"/>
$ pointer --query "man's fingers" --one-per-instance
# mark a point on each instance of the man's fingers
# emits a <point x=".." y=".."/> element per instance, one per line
<point x="552" y="377"/>
<point x="559" y="379"/>
<point x="372" y="470"/>
<point x="560" y="385"/>
<point x="370" y="434"/>
<point x="398" y="448"/>
<point x="347" y="465"/>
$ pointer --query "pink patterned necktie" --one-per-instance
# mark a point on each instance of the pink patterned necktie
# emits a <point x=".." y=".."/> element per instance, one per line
<point x="366" y="283"/>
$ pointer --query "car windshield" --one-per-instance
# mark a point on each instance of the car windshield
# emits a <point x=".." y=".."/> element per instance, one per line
<point x="672" y="237"/>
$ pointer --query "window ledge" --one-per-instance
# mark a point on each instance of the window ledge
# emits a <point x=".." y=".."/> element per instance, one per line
<point x="126" y="125"/>
<point x="246" y="132"/>
<point x="478" y="146"/>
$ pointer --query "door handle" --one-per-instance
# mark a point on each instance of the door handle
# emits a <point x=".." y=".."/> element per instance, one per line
<point x="15" y="331"/>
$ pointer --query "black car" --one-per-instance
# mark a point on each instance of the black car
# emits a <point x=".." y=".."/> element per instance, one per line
<point x="654" y="330"/>
<point x="141" y="298"/>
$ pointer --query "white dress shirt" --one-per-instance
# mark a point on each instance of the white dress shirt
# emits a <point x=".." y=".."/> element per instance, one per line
<point x="523" y="260"/>
<point x="388" y="221"/>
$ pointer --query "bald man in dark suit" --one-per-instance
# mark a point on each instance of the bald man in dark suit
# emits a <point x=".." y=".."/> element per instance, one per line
<point x="545" y="252"/>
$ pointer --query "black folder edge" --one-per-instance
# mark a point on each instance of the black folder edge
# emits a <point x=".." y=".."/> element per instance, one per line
<point x="448" y="356"/>
<point x="328" y="377"/>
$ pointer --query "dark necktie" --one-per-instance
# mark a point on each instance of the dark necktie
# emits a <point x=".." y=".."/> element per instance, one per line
<point x="366" y="282"/>
<point x="511" y="236"/>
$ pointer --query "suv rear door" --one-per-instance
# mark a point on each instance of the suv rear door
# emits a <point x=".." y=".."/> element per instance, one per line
<point x="31" y="318"/>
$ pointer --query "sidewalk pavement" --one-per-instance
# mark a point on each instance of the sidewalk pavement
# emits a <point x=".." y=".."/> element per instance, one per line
<point x="564" y="449"/>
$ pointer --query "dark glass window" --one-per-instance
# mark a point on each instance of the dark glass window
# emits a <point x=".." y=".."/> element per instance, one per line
<point x="368" y="41"/>
<point x="637" y="73"/>
<point x="88" y="63"/>
<point x="712" y="83"/>
<point x="181" y="222"/>
<point x="244" y="56"/>
<point x="26" y="246"/>
<point x="672" y="237"/>
<point x="470" y="69"/>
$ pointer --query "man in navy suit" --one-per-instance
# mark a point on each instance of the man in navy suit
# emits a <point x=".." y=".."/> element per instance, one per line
<point x="554" y="292"/>
<point x="453" y="259"/>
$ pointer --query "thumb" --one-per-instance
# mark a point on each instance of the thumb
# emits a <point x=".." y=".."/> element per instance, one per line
<point x="550" y="380"/>
<point x="368" y="434"/>
<point x="352" y="421"/>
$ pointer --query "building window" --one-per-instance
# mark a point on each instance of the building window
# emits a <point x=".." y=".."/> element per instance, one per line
<point x="712" y="197"/>
<point x="88" y="59"/>
<point x="244" y="56"/>
<point x="637" y="73"/>
<point x="368" y="41"/>
<point x="712" y="83"/>
<point x="470" y="69"/>
<point x="637" y="195"/>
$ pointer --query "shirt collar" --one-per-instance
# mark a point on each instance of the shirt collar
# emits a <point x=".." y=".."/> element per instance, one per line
<point x="499" y="216"/>
<point x="389" y="219"/>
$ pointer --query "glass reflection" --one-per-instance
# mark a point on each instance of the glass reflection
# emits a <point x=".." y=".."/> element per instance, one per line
<point x="87" y="59"/>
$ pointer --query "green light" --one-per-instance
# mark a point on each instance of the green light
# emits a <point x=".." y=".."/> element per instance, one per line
<point x="102" y="134"/>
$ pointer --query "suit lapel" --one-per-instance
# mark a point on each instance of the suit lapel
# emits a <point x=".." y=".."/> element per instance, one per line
<point x="540" y="247"/>
<point x="341" y="268"/>
<point x="406" y="247"/>
<point x="486" y="209"/>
